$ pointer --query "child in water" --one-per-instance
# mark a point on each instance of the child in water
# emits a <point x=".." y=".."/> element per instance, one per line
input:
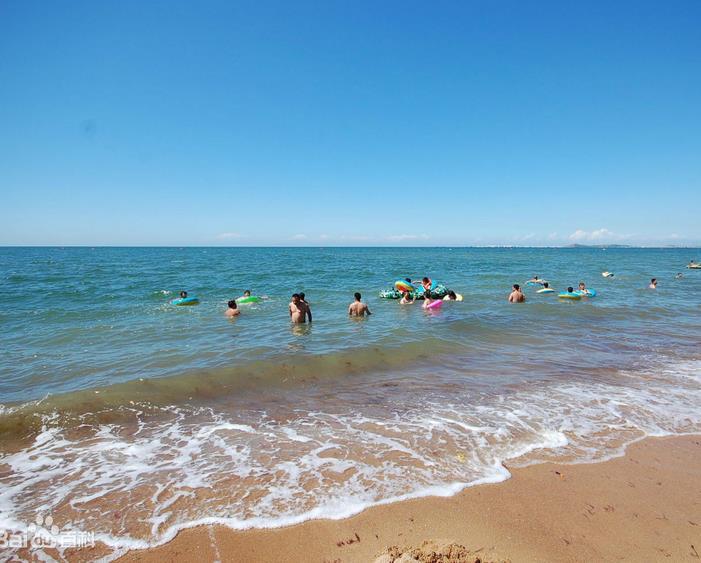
<point x="428" y="299"/>
<point x="233" y="310"/>
<point x="406" y="299"/>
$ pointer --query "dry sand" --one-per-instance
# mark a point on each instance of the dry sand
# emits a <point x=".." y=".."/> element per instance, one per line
<point x="645" y="506"/>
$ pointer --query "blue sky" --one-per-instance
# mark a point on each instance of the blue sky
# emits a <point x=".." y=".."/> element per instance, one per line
<point x="351" y="123"/>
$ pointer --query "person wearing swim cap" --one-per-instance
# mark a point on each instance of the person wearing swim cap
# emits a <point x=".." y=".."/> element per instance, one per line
<point x="233" y="310"/>
<point x="358" y="308"/>
<point x="516" y="295"/>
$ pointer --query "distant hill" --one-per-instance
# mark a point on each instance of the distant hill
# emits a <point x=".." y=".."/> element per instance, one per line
<point x="599" y="246"/>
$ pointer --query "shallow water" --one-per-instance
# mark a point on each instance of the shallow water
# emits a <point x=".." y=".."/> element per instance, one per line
<point x="116" y="402"/>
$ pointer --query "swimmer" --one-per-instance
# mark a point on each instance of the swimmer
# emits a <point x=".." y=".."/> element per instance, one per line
<point x="679" y="276"/>
<point x="428" y="299"/>
<point x="653" y="284"/>
<point x="607" y="274"/>
<point x="516" y="295"/>
<point x="247" y="293"/>
<point x="358" y="308"/>
<point x="537" y="280"/>
<point x="451" y="296"/>
<point x="570" y="289"/>
<point x="233" y="310"/>
<point x="183" y="294"/>
<point x="406" y="299"/>
<point x="299" y="310"/>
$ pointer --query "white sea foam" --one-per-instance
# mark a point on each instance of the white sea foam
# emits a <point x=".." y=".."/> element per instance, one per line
<point x="200" y="466"/>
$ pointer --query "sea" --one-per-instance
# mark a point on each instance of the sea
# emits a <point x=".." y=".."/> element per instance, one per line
<point x="126" y="419"/>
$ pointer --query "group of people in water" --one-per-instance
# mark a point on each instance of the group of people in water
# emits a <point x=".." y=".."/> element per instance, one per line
<point x="301" y="312"/>
<point x="517" y="295"/>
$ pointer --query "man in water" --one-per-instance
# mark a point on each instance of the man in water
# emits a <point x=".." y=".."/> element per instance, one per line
<point x="653" y="284"/>
<point x="358" y="308"/>
<point x="183" y="294"/>
<point x="516" y="295"/>
<point x="233" y="310"/>
<point x="247" y="293"/>
<point x="303" y="299"/>
<point x="299" y="310"/>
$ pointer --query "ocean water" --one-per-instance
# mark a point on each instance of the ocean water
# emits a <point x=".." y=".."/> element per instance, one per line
<point x="127" y="417"/>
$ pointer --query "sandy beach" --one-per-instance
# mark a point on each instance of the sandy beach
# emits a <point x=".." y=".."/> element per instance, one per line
<point x="645" y="506"/>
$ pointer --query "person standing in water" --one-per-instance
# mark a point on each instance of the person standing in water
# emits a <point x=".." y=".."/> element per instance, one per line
<point x="299" y="310"/>
<point x="516" y="295"/>
<point x="406" y="299"/>
<point x="303" y="299"/>
<point x="653" y="284"/>
<point x="233" y="310"/>
<point x="358" y="308"/>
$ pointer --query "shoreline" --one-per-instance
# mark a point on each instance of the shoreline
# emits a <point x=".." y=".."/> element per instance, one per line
<point x="645" y="505"/>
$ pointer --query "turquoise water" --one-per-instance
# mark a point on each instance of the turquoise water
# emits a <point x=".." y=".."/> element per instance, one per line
<point x="81" y="317"/>
<point x="108" y="389"/>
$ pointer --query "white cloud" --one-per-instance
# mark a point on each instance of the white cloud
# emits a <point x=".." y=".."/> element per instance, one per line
<point x="299" y="236"/>
<point x="597" y="235"/>
<point x="402" y="238"/>
<point x="229" y="236"/>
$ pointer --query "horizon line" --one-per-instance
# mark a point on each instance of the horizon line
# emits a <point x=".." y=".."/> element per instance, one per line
<point x="570" y="246"/>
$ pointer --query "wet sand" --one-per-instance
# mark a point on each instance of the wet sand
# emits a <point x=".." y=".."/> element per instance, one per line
<point x="645" y="506"/>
